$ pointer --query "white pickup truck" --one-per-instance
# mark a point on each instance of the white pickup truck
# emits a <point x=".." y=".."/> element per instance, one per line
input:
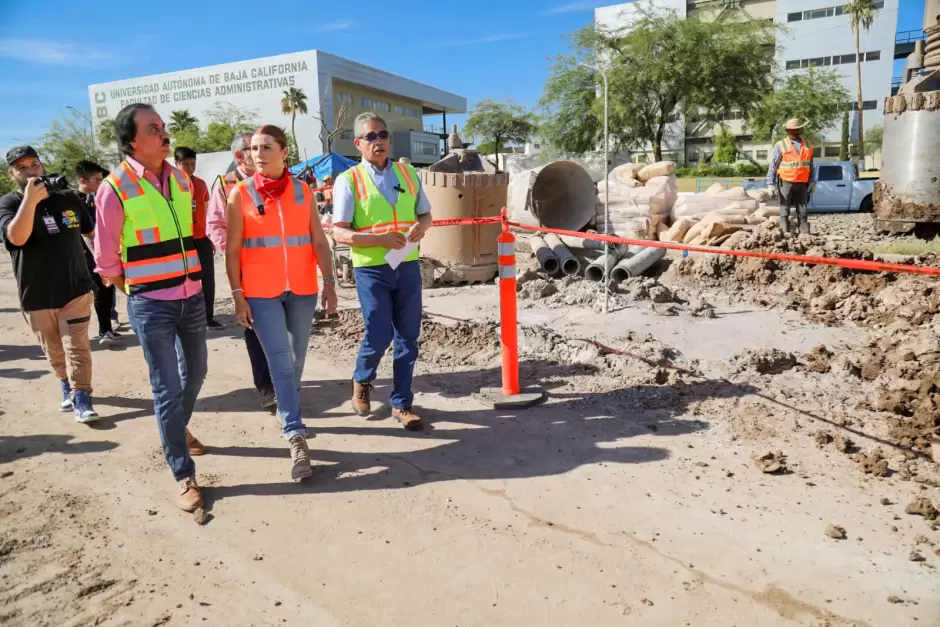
<point x="838" y="188"/>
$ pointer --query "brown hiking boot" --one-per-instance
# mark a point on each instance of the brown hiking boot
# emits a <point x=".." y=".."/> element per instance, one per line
<point x="195" y="446"/>
<point x="361" y="398"/>
<point x="190" y="498"/>
<point x="300" y="456"/>
<point x="408" y="419"/>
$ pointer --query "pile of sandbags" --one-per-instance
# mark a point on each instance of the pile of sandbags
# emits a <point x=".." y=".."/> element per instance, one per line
<point x="640" y="199"/>
<point x="711" y="217"/>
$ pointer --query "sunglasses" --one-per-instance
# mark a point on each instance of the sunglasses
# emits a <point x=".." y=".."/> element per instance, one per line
<point x="371" y="137"/>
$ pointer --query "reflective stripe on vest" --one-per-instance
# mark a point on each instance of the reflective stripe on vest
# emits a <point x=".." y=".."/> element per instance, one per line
<point x="157" y="246"/>
<point x="374" y="214"/>
<point x="277" y="247"/>
<point x="795" y="167"/>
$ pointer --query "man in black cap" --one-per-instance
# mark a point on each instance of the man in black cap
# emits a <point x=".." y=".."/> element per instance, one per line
<point x="43" y="230"/>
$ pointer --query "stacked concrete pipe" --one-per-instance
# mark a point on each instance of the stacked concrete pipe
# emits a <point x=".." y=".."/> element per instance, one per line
<point x="636" y="263"/>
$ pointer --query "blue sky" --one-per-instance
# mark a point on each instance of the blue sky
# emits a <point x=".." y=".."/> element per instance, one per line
<point x="51" y="51"/>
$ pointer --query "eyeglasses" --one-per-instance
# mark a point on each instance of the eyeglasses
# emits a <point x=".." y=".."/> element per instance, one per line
<point x="372" y="136"/>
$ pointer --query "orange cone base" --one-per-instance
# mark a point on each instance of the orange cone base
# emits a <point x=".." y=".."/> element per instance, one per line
<point x="527" y="397"/>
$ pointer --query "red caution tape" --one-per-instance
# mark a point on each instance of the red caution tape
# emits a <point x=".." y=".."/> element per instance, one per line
<point x="466" y="221"/>
<point x="853" y="264"/>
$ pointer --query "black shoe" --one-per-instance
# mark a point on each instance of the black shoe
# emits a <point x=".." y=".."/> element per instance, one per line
<point x="214" y="324"/>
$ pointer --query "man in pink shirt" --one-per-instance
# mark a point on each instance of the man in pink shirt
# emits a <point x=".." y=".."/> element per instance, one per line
<point x="217" y="230"/>
<point x="160" y="272"/>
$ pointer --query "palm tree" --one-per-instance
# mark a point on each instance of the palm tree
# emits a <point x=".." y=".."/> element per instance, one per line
<point x="861" y="15"/>
<point x="107" y="133"/>
<point x="181" y="120"/>
<point x="294" y="102"/>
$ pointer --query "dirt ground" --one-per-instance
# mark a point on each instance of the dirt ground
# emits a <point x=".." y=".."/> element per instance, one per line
<point x="700" y="460"/>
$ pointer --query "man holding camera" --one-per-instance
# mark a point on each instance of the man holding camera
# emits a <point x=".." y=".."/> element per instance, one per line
<point x="42" y="226"/>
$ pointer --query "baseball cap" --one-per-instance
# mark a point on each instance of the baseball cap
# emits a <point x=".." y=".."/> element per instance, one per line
<point x="18" y="152"/>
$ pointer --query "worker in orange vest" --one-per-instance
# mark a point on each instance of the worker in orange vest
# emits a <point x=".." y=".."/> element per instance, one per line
<point x="792" y="175"/>
<point x="275" y="243"/>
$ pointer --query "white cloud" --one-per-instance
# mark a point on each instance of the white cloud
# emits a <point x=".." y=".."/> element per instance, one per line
<point x="52" y="52"/>
<point x="488" y="39"/>
<point x="336" y="25"/>
<point x="571" y="7"/>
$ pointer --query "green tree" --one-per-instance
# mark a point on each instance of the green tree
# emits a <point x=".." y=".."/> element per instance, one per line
<point x="568" y="103"/>
<point x="7" y="184"/>
<point x="661" y="66"/>
<point x="861" y="16"/>
<point x="227" y="114"/>
<point x="107" y="133"/>
<point x="294" y="102"/>
<point x="876" y="135"/>
<point x="180" y="121"/>
<point x="217" y="138"/>
<point x="817" y="97"/>
<point x="68" y="141"/>
<point x="725" y="149"/>
<point x="488" y="147"/>
<point x="500" y="122"/>
<point x="844" y="144"/>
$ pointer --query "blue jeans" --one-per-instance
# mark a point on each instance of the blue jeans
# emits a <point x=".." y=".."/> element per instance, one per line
<point x="159" y="325"/>
<point x="391" y="309"/>
<point x="283" y="326"/>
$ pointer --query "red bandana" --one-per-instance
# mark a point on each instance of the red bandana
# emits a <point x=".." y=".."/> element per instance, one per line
<point x="271" y="188"/>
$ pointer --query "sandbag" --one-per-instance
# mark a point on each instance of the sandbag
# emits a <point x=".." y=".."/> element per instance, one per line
<point x="678" y="230"/>
<point x="760" y="195"/>
<point x="625" y="172"/>
<point x="660" y="168"/>
<point x="715" y="189"/>
<point x="657" y="230"/>
<point x="737" y="193"/>
<point x="766" y="211"/>
<point x="717" y="229"/>
<point x="739" y="207"/>
<point x="755" y="220"/>
<point x="698" y="205"/>
<point x="613" y="186"/>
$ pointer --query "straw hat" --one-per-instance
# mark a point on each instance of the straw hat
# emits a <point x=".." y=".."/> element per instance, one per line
<point x="794" y="124"/>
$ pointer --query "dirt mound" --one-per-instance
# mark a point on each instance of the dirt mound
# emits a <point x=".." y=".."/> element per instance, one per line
<point x="903" y="312"/>
<point x="762" y="361"/>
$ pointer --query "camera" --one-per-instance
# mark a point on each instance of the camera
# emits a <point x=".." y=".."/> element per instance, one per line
<point x="54" y="182"/>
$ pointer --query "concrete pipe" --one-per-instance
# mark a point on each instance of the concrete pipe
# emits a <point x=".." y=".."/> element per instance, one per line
<point x="543" y="252"/>
<point x="637" y="263"/>
<point x="590" y="244"/>
<point x="596" y="270"/>
<point x="569" y="264"/>
<point x="560" y="195"/>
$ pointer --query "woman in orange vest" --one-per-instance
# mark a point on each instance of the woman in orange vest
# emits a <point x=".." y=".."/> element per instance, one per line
<point x="275" y="243"/>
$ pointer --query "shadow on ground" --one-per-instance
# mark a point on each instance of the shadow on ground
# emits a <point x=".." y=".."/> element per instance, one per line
<point x="20" y="447"/>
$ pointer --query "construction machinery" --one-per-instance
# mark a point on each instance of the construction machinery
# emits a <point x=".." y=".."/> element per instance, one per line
<point x="908" y="193"/>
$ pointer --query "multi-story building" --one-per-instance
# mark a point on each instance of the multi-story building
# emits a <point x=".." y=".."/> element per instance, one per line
<point x="815" y="33"/>
<point x="328" y="81"/>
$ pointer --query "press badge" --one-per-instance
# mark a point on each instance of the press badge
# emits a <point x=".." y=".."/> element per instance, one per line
<point x="51" y="225"/>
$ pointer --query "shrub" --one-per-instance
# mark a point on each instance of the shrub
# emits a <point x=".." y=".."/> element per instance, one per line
<point x="721" y="171"/>
<point x="748" y="170"/>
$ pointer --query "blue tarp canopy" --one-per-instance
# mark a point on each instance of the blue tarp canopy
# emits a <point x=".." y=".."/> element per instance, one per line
<point x="325" y="165"/>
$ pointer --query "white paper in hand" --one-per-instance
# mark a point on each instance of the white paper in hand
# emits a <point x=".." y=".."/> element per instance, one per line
<point x="395" y="257"/>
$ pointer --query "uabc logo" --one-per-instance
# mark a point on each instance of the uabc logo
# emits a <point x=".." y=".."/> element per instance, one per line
<point x="101" y="111"/>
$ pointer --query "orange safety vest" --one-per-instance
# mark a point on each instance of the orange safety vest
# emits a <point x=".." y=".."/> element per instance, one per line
<point x="200" y="201"/>
<point x="228" y="181"/>
<point x="277" y="248"/>
<point x="794" y="166"/>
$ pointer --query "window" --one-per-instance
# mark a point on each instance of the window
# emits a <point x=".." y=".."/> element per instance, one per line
<point x="374" y="105"/>
<point x="411" y="112"/>
<point x="829" y="173"/>
<point x="536" y="146"/>
<point x="817" y="151"/>
<point x="818" y="61"/>
<point x="693" y="157"/>
<point x="761" y="155"/>
<point x="867" y="105"/>
<point x="344" y="97"/>
<point x="847" y="58"/>
<point x="793" y="65"/>
<point x="795" y="17"/>
<point x="424" y="148"/>
<point x="346" y="135"/>
<point x="873" y="56"/>
<point x="832" y="151"/>
<point x="878" y="4"/>
<point x="839" y="59"/>
<point x="816" y="14"/>
<point x="840" y="10"/>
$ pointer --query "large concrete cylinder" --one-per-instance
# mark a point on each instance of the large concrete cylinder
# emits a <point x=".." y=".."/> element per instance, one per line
<point x="462" y="186"/>
<point x="909" y="188"/>
<point x="560" y="195"/>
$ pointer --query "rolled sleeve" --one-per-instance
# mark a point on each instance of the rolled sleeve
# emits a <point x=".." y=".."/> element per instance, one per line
<point x="109" y="227"/>
<point x="344" y="205"/>
<point x="216" y="228"/>
<point x="423" y="205"/>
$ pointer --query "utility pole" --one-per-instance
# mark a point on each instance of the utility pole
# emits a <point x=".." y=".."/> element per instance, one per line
<point x="91" y="127"/>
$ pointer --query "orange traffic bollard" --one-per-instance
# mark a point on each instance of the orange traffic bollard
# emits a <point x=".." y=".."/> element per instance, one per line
<point x="510" y="395"/>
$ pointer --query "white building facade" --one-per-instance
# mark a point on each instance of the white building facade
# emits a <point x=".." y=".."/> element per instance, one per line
<point x="815" y="33"/>
<point x="328" y="81"/>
